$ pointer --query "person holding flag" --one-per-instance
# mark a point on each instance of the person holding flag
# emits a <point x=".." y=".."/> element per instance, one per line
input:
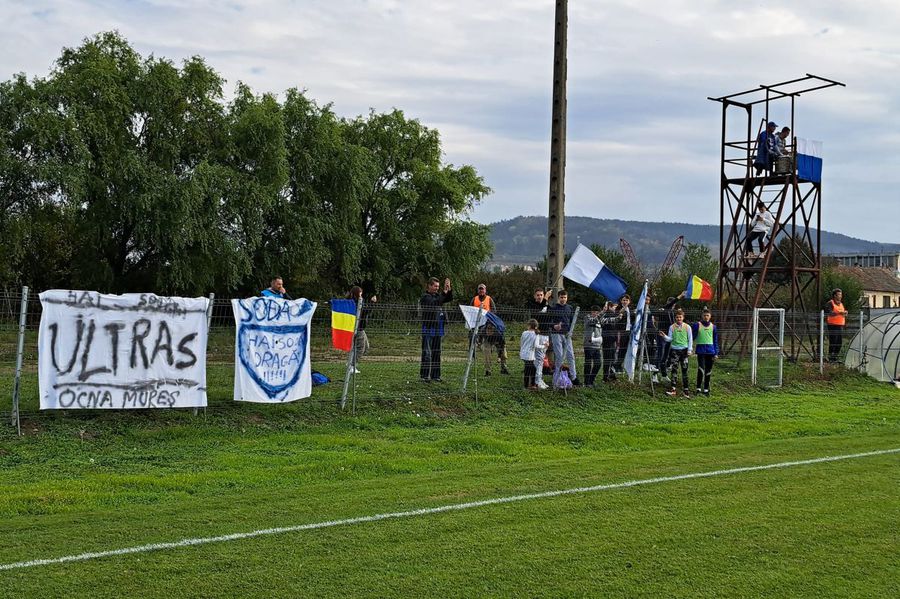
<point x="490" y="335"/>
<point x="706" y="336"/>
<point x="361" y="344"/>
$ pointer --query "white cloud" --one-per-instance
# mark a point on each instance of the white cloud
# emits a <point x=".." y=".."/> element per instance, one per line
<point x="643" y="137"/>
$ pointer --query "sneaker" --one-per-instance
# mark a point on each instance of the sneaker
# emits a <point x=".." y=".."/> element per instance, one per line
<point x="437" y="380"/>
<point x="504" y="370"/>
<point x="686" y="394"/>
<point x="672" y="392"/>
<point x="542" y="385"/>
<point x="698" y="390"/>
<point x="576" y="382"/>
<point x="355" y="371"/>
<point x="706" y="392"/>
<point x="425" y="380"/>
<point x="487" y="373"/>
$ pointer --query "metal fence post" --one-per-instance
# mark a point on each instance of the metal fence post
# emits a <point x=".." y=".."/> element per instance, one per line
<point x="20" y="350"/>
<point x="822" y="342"/>
<point x="781" y="345"/>
<point x="472" y="337"/>
<point x="754" y="356"/>
<point x="209" y="315"/>
<point x="351" y="357"/>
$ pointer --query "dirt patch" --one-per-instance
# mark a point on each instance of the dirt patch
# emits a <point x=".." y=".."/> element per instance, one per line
<point x="31" y="428"/>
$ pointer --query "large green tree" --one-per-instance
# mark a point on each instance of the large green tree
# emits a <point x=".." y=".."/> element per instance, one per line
<point x="123" y="173"/>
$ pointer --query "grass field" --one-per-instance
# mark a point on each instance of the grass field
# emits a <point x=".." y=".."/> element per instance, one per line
<point x="79" y="482"/>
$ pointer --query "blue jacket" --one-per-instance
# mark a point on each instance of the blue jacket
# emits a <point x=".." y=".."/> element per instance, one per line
<point x="559" y="314"/>
<point x="432" y="312"/>
<point x="764" y="149"/>
<point x="706" y="349"/>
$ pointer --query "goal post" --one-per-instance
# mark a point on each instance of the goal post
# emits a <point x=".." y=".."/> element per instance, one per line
<point x="768" y="341"/>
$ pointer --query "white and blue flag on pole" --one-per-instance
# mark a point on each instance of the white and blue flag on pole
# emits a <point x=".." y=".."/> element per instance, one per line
<point x="587" y="269"/>
<point x="637" y="331"/>
<point x="809" y="160"/>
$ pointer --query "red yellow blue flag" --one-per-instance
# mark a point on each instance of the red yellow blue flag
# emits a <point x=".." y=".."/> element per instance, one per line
<point x="698" y="289"/>
<point x="343" y="323"/>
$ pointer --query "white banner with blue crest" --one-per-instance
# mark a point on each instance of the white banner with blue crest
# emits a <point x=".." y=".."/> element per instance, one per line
<point x="271" y="349"/>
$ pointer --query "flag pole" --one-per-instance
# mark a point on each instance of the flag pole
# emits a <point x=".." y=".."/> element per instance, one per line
<point x="351" y="357"/>
<point x="472" y="338"/>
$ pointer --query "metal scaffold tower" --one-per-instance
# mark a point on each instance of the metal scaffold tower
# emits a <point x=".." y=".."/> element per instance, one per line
<point x="786" y="274"/>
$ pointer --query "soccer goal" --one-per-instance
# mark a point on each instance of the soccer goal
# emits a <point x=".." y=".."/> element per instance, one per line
<point x="767" y="364"/>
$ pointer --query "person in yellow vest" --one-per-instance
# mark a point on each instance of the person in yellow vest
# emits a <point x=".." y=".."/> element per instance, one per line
<point x="835" y="319"/>
<point x="488" y="336"/>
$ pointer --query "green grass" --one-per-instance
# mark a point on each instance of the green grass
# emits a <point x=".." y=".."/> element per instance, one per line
<point x="79" y="482"/>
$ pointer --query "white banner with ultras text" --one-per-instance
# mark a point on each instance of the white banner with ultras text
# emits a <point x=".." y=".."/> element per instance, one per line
<point x="134" y="351"/>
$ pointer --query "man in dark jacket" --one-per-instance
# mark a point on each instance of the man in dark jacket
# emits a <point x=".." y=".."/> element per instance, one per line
<point x="561" y="315"/>
<point x="433" y="318"/>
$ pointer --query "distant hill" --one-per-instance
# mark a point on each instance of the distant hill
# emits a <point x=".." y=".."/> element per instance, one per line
<point x="523" y="240"/>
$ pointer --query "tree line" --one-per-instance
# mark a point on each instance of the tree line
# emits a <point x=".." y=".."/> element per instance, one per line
<point x="121" y="173"/>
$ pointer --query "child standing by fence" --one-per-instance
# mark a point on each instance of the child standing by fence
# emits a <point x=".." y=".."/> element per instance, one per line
<point x="706" y="335"/>
<point x="682" y="339"/>
<point x="593" y="346"/>
<point x="527" y="347"/>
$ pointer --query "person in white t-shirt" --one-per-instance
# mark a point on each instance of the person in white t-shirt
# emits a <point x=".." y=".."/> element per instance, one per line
<point x="760" y="227"/>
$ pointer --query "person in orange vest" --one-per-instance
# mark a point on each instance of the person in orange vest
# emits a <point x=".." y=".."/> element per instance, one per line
<point x="835" y="319"/>
<point x="488" y="336"/>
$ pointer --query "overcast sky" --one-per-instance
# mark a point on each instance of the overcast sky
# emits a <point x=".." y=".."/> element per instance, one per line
<point x="643" y="138"/>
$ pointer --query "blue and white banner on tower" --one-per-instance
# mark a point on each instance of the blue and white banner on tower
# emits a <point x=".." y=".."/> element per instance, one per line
<point x="587" y="269"/>
<point x="809" y="160"/>
<point x="271" y="349"/>
<point x="637" y="332"/>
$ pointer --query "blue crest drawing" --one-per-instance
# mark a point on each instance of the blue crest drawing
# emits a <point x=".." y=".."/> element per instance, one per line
<point x="273" y="356"/>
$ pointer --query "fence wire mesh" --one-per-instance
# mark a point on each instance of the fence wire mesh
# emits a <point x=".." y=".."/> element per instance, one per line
<point x="389" y="368"/>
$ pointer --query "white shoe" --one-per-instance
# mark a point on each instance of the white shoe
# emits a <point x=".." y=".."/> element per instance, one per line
<point x="655" y="379"/>
<point x="355" y="371"/>
<point x="541" y="384"/>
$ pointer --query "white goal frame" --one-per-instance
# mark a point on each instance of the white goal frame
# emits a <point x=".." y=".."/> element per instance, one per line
<point x="768" y="348"/>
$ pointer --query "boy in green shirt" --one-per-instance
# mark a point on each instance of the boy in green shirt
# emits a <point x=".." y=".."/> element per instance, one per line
<point x="682" y="339"/>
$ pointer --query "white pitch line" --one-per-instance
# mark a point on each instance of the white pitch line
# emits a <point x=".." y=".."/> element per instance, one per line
<point x="431" y="510"/>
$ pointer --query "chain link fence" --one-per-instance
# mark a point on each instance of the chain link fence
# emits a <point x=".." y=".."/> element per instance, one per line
<point x="389" y="368"/>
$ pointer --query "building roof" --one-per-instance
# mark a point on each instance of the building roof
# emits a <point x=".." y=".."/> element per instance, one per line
<point x="872" y="279"/>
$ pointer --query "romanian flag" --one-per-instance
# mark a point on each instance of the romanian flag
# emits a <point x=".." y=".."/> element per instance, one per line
<point x="698" y="289"/>
<point x="343" y="323"/>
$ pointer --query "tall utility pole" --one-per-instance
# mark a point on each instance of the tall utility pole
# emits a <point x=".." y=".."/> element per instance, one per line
<point x="556" y="236"/>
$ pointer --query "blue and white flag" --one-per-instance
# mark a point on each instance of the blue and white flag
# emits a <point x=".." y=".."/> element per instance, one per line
<point x="470" y="313"/>
<point x="587" y="269"/>
<point x="809" y="160"/>
<point x="637" y="331"/>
